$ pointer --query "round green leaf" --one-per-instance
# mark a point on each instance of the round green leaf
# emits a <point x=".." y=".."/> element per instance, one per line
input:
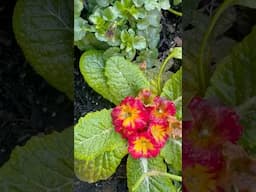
<point x="44" y="30"/>
<point x="98" y="149"/>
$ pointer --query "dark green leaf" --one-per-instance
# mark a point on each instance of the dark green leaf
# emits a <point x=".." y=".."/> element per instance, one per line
<point x="43" y="164"/>
<point x="233" y="82"/>
<point x="44" y="30"/>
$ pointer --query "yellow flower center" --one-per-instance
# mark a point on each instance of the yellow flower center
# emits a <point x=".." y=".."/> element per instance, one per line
<point x="158" y="132"/>
<point x="143" y="145"/>
<point x="128" y="115"/>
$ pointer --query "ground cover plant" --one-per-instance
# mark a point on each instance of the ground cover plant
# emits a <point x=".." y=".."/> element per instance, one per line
<point x="219" y="97"/>
<point x="118" y="41"/>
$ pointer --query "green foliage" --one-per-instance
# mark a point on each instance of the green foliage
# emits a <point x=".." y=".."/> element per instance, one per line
<point x="114" y="78"/>
<point x="42" y="164"/>
<point x="132" y="26"/>
<point x="172" y="90"/>
<point x="172" y="154"/>
<point x="44" y="31"/>
<point x="98" y="149"/>
<point x="234" y="85"/>
<point x="136" y="169"/>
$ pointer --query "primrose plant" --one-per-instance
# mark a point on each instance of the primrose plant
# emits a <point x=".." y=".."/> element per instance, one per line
<point x="144" y="126"/>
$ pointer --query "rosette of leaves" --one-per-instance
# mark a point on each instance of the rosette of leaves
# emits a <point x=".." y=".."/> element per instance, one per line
<point x="132" y="42"/>
<point x="98" y="149"/>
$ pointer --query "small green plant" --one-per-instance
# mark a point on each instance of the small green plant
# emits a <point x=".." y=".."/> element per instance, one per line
<point x="132" y="26"/>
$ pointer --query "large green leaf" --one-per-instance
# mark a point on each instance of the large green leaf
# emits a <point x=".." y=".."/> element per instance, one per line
<point x="233" y="82"/>
<point x="44" y="30"/>
<point x="98" y="148"/>
<point x="172" y="91"/>
<point x="124" y="78"/>
<point x="172" y="152"/>
<point x="43" y="164"/>
<point x="115" y="79"/>
<point x="137" y="167"/>
<point x="92" y="67"/>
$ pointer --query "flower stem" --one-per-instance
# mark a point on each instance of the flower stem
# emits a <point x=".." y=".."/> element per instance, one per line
<point x="161" y="71"/>
<point x="175" y="12"/>
<point x="155" y="173"/>
<point x="203" y="72"/>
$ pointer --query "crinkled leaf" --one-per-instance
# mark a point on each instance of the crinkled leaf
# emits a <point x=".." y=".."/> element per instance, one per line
<point x="98" y="149"/>
<point x="172" y="154"/>
<point x="233" y="82"/>
<point x="137" y="167"/>
<point x="44" y="30"/>
<point x="44" y="163"/>
<point x="124" y="78"/>
<point x="172" y="91"/>
<point x="92" y="67"/>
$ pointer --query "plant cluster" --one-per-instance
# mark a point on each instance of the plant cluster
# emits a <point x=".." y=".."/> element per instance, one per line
<point x="120" y="43"/>
<point x="146" y="122"/>
<point x="127" y="27"/>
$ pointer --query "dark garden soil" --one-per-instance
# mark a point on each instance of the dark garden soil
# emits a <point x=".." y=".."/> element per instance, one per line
<point x="28" y="104"/>
<point x="86" y="100"/>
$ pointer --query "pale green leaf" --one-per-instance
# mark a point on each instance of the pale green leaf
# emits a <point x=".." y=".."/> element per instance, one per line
<point x="172" y="154"/>
<point x="78" y="7"/>
<point x="98" y="149"/>
<point x="139" y="43"/>
<point x="44" y="163"/>
<point x="124" y="78"/>
<point x="44" y="30"/>
<point x="137" y="167"/>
